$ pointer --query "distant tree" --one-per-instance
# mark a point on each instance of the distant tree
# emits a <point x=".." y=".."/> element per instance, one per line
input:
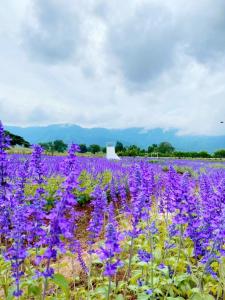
<point x="219" y="153"/>
<point x="48" y="147"/>
<point x="44" y="146"/>
<point x="59" y="146"/>
<point x="94" y="148"/>
<point x="133" y="150"/>
<point x="51" y="147"/>
<point x="55" y="146"/>
<point x="103" y="149"/>
<point x="119" y="147"/>
<point x="153" y="148"/>
<point x="83" y="148"/>
<point x="17" y="140"/>
<point x="142" y="152"/>
<point x="193" y="154"/>
<point x="26" y="144"/>
<point x="204" y="154"/>
<point x="201" y="154"/>
<point x="165" y="148"/>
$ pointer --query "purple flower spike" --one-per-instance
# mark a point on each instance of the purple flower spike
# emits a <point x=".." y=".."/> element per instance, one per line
<point x="18" y="293"/>
<point x="144" y="256"/>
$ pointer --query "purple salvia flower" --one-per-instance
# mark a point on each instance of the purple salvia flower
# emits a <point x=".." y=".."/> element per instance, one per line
<point x="36" y="166"/>
<point x="108" y="253"/>
<point x="97" y="216"/>
<point x="144" y="256"/>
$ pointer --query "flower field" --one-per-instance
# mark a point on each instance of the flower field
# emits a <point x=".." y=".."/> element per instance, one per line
<point x="87" y="228"/>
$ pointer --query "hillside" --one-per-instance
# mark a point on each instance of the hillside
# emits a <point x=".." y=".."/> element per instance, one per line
<point x="78" y="134"/>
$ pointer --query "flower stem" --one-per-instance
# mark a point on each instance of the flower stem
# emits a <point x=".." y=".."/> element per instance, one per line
<point x="130" y="258"/>
<point x="109" y="288"/>
<point x="46" y="281"/>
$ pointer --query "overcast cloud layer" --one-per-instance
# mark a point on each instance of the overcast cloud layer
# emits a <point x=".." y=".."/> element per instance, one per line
<point x="114" y="63"/>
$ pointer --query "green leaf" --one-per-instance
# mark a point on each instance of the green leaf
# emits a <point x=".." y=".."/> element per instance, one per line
<point x="62" y="282"/>
<point x="196" y="290"/>
<point x="200" y="296"/>
<point x="196" y="297"/>
<point x="181" y="278"/>
<point x="175" y="298"/>
<point x="135" y="277"/>
<point x="121" y="285"/>
<point x="158" y="291"/>
<point x="10" y="294"/>
<point x="142" y="296"/>
<point x="158" y="253"/>
<point x="208" y="297"/>
<point x="102" y="291"/>
<point x="119" y="297"/>
<point x="142" y="264"/>
<point x="34" y="289"/>
<point x="132" y="287"/>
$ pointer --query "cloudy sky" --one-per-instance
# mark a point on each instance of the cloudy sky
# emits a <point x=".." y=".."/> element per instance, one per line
<point x="114" y="64"/>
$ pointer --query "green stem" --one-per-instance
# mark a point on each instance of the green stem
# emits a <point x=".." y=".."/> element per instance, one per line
<point x="179" y="251"/>
<point x="178" y="258"/>
<point x="130" y="258"/>
<point x="46" y="281"/>
<point x="89" y="275"/>
<point x="206" y="265"/>
<point x="109" y="288"/>
<point x="152" y="273"/>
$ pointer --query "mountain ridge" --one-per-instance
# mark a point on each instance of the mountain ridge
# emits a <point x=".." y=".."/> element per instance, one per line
<point x="134" y="135"/>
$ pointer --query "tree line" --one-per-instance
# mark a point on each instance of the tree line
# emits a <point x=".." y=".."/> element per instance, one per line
<point x="164" y="149"/>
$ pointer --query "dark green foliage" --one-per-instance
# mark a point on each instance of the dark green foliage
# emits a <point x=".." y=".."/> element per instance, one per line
<point x="103" y="149"/>
<point x="165" y="147"/>
<point x="220" y="153"/>
<point x="56" y="146"/>
<point x="202" y="154"/>
<point x="132" y="150"/>
<point x="119" y="147"/>
<point x="48" y="147"/>
<point x="17" y="140"/>
<point x="153" y="148"/>
<point x="94" y="148"/>
<point x="83" y="148"/>
<point x="181" y="154"/>
<point x="60" y="146"/>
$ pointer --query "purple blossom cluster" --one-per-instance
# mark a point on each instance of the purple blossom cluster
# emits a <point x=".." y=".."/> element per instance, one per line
<point x="143" y="195"/>
<point x="111" y="249"/>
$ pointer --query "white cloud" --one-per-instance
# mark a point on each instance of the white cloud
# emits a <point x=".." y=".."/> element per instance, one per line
<point x="145" y="64"/>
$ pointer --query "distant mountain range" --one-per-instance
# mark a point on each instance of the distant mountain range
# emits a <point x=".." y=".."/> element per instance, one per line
<point x="137" y="136"/>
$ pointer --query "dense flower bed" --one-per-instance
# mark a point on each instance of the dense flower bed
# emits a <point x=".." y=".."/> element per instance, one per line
<point x="87" y="228"/>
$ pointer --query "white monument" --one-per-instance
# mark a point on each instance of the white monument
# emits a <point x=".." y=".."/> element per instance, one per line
<point x="110" y="151"/>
